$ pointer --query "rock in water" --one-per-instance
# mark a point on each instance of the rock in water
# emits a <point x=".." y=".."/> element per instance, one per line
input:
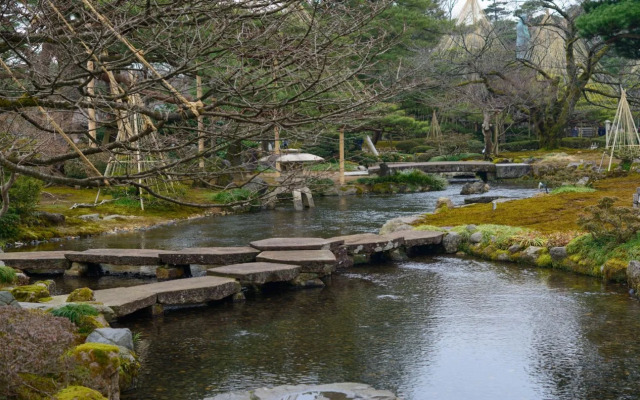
<point x="311" y="392"/>
<point x="474" y="188"/>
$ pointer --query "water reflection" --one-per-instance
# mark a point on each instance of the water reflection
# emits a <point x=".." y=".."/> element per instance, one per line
<point x="436" y="328"/>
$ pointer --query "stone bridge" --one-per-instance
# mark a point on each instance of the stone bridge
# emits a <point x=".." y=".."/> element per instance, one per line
<point x="486" y="170"/>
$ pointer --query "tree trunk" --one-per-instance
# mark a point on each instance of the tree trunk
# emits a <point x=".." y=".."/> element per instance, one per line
<point x="487" y="134"/>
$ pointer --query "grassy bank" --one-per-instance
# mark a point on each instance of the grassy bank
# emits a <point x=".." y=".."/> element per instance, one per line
<point x="545" y="213"/>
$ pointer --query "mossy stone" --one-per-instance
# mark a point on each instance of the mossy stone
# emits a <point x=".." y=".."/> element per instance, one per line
<point x="81" y="294"/>
<point x="544" y="261"/>
<point x="615" y="270"/>
<point x="30" y="293"/>
<point x="78" y="393"/>
<point x="36" y="387"/>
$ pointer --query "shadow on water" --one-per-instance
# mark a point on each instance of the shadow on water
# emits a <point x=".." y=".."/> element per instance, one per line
<point x="432" y="328"/>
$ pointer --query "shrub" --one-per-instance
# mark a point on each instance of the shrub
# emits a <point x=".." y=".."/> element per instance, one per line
<point x="24" y="196"/>
<point x="7" y="275"/>
<point x="409" y="146"/>
<point x="408" y="177"/>
<point x="32" y="343"/>
<point x="232" y="196"/>
<point x="9" y="226"/>
<point x="74" y="312"/>
<point x="421" y="149"/>
<point x="605" y="221"/>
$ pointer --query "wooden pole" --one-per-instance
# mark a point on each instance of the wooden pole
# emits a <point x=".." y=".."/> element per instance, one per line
<point x="276" y="148"/>
<point x="91" y="112"/>
<point x="342" y="156"/>
<point x="200" y="122"/>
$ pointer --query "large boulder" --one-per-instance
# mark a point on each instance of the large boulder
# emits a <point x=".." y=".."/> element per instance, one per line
<point x="451" y="242"/>
<point x="7" y="299"/>
<point x="476" y="238"/>
<point x="633" y="275"/>
<point x="51" y="218"/>
<point x="444" y="202"/>
<point x="558" y="254"/>
<point x="474" y="188"/>
<point x="114" y="336"/>
<point x="399" y="224"/>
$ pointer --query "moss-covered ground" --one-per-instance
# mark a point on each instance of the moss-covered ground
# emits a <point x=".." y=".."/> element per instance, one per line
<point x="544" y="213"/>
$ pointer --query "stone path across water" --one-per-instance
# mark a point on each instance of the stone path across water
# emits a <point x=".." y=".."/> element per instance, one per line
<point x="301" y="243"/>
<point x="321" y="262"/>
<point x="43" y="261"/>
<point x="210" y="256"/>
<point x="190" y="291"/>
<point x="117" y="256"/>
<point x="257" y="273"/>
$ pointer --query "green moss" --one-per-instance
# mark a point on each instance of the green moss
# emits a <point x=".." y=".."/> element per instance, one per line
<point x="36" y="387"/>
<point x="30" y="293"/>
<point x="78" y="393"/>
<point x="104" y="355"/>
<point x="81" y="294"/>
<point x="615" y="270"/>
<point x="572" y="189"/>
<point x="544" y="261"/>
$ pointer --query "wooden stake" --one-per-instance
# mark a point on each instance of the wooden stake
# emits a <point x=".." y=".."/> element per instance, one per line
<point x="342" y="156"/>
<point x="200" y="122"/>
<point x="91" y="112"/>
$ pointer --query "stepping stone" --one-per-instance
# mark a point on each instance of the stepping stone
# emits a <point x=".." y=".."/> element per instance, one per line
<point x="37" y="261"/>
<point x="257" y="273"/>
<point x="418" y="238"/>
<point x="193" y="290"/>
<point x="296" y="243"/>
<point x="369" y="243"/>
<point x="117" y="256"/>
<point x="126" y="300"/>
<point x="210" y="256"/>
<point x="321" y="262"/>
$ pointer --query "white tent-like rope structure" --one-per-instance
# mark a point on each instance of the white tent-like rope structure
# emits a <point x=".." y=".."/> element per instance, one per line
<point x="471" y="15"/>
<point x="623" y="136"/>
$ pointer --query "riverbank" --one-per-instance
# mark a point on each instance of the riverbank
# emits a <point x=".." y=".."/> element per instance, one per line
<point x="572" y="229"/>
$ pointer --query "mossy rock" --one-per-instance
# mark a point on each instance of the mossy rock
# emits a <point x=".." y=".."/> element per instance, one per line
<point x="615" y="270"/>
<point x="384" y="188"/>
<point x="78" y="393"/>
<point x="89" y="323"/>
<point x="98" y="356"/>
<point x="129" y="368"/>
<point x="81" y="294"/>
<point x="544" y="261"/>
<point x="49" y="284"/>
<point x="30" y="293"/>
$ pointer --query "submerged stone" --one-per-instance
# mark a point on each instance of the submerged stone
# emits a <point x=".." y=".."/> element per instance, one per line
<point x="332" y="391"/>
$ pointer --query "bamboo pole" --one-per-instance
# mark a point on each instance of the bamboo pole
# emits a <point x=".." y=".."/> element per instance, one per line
<point x="200" y="122"/>
<point x="342" y="156"/>
<point x="91" y="112"/>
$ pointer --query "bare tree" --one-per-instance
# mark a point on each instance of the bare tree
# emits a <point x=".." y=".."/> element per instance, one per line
<point x="116" y="81"/>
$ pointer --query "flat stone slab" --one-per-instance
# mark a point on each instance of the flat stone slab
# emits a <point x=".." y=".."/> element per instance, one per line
<point x="193" y="290"/>
<point x="257" y="273"/>
<point x="418" y="238"/>
<point x="126" y="300"/>
<point x="506" y="171"/>
<point x="117" y="256"/>
<point x="369" y="243"/>
<point x="296" y="243"/>
<point x="210" y="256"/>
<point x="36" y="260"/>
<point x="313" y="261"/>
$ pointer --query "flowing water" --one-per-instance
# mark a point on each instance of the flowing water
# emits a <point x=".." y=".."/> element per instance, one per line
<point x="332" y="216"/>
<point x="432" y="328"/>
